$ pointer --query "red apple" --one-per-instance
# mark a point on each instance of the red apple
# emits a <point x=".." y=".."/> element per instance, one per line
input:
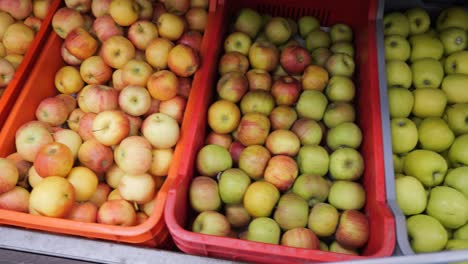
<point x="135" y="125"/>
<point x="204" y="194"/>
<point x="110" y="127"/>
<point x="83" y="212"/>
<point x="116" y="51"/>
<point x="233" y="61"/>
<point x="94" y="70"/>
<point x="9" y="175"/>
<point x="141" y="33"/>
<point x="264" y="55"/>
<point x="286" y="90"/>
<point x="100" y="7"/>
<point x="223" y="140"/>
<point x="16" y="199"/>
<point x="33" y="22"/>
<point x="300" y="237"/>
<point x="308" y="131"/>
<point x="282" y="117"/>
<point x="95" y="156"/>
<point x="54" y="159"/>
<point x="281" y="171"/>
<point x="183" y="60"/>
<point x="133" y="155"/>
<point x="184" y="87"/>
<point x="81" y="6"/>
<point x="68" y="57"/>
<point x="19" y="9"/>
<point x="174" y="107"/>
<point x="105" y="27"/>
<point x="232" y="86"/>
<point x="96" y="98"/>
<point x="30" y="137"/>
<point x="117" y="212"/>
<point x="259" y="79"/>
<point x="100" y="195"/>
<point x="162" y="85"/>
<point x="253" y="160"/>
<point x="314" y="78"/>
<point x="85" y="126"/>
<point x="283" y="142"/>
<point x="117" y="80"/>
<point x="295" y="59"/>
<point x="80" y="43"/>
<point x="235" y="149"/>
<point x="73" y="121"/>
<point x="191" y="38"/>
<point x="253" y="129"/>
<point x="158" y="10"/>
<point x="196" y="18"/>
<point x="353" y="229"/>
<point x="52" y="110"/>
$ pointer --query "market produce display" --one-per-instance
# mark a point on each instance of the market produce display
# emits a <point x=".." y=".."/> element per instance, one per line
<point x="281" y="163"/>
<point x="427" y="78"/>
<point x="19" y="23"/>
<point x="100" y="149"/>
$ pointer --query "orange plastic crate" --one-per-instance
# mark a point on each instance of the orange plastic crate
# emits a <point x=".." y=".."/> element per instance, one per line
<point x="39" y="85"/>
<point x="7" y="100"/>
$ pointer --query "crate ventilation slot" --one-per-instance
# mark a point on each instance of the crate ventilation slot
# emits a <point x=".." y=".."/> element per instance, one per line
<point x="295" y="12"/>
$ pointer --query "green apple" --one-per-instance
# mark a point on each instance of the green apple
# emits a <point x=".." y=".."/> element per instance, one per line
<point x="449" y="206"/>
<point x="455" y="87"/>
<point x="312" y="159"/>
<point x="293" y="26"/>
<point x="211" y="223"/>
<point x="212" y="159"/>
<point x="397" y="164"/>
<point x="340" y="89"/>
<point x="426" y="233"/>
<point x="292" y="211"/>
<point x="341" y="32"/>
<point x="458" y="179"/>
<point x="311" y="104"/>
<point x="396" y="48"/>
<point x="346" y="134"/>
<point x="410" y="195"/>
<point x="312" y="188"/>
<point x="427" y="73"/>
<point x="320" y="56"/>
<point x="453" y="39"/>
<point x="461" y="232"/>
<point x="396" y="23"/>
<point x="323" y="219"/>
<point x="317" y="38"/>
<point x="237" y="41"/>
<point x="404" y="135"/>
<point x="452" y="17"/>
<point x="457" y="244"/>
<point x="264" y="229"/>
<point x="236" y="215"/>
<point x="427" y="166"/>
<point x="429" y="102"/>
<point x="204" y="194"/>
<point x="307" y="24"/>
<point x="249" y="22"/>
<point x="343" y="47"/>
<point x="337" y="113"/>
<point x="419" y="20"/>
<point x="340" y="64"/>
<point x="257" y="101"/>
<point x="278" y="30"/>
<point x="346" y="164"/>
<point x="398" y="74"/>
<point x="457" y="118"/>
<point x="308" y="130"/>
<point x="457" y="63"/>
<point x="400" y="102"/>
<point x="458" y="152"/>
<point x="260" y="198"/>
<point x="232" y="185"/>
<point x="425" y="46"/>
<point x="347" y="195"/>
<point x="435" y="134"/>
<point x="337" y="248"/>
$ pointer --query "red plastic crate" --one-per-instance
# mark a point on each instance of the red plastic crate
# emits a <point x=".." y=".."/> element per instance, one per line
<point x="361" y="17"/>
<point x="39" y="85"/>
<point x="7" y="100"/>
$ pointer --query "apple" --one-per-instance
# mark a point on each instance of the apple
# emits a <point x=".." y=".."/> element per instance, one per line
<point x="347" y="195"/>
<point x="429" y="102"/>
<point x="308" y="131"/>
<point x="95" y="156"/>
<point x="184" y="87"/>
<point x="16" y="199"/>
<point x="427" y="233"/>
<point x="253" y="160"/>
<point x="105" y="27"/>
<point x="100" y="195"/>
<point x="281" y="171"/>
<point x="311" y="104"/>
<point x="232" y="86"/>
<point x="282" y="117"/>
<point x="134" y="155"/>
<point x="9" y="175"/>
<point x="400" y="102"/>
<point x="135" y="124"/>
<point x="435" y="134"/>
<point x="69" y="138"/>
<point x="52" y="110"/>
<point x="84" y="182"/>
<point x="116" y="51"/>
<point x="278" y="30"/>
<point x="154" y="107"/>
<point x="161" y="130"/>
<point x="145" y="9"/>
<point x="206" y="157"/>
<point x="100" y="7"/>
<point x="425" y="46"/>
<point x="85" y="126"/>
<point x="320" y="56"/>
<point x="404" y="135"/>
<point x="14" y="59"/>
<point x="427" y="166"/>
<point x="124" y="12"/>
<point x="313" y="159"/>
<point x="260" y="198"/>
<point x="286" y="90"/>
<point x="396" y="23"/>
<point x="248" y="21"/>
<point x="317" y="38"/>
<point x="419" y="20"/>
<point x="396" y="48"/>
<point x="21" y="164"/>
<point x="323" y="219"/>
<point x="30" y="137"/>
<point x="452" y="17"/>
<point x="139" y="188"/>
<point x="94" y="70"/>
<point x="53" y="196"/>
<point x="234" y="61"/>
<point x="237" y="42"/>
<point x="81" y="6"/>
<point x="265" y="230"/>
<point x="157" y="52"/>
<point x="170" y="26"/>
<point x="353" y="229"/>
<point x="80" y="43"/>
<point x="346" y="134"/>
<point x="161" y="163"/>
<point x="211" y="223"/>
<point x="191" y="38"/>
<point x="314" y="78"/>
<point x="237" y="215"/>
<point x="223" y="116"/>
<point x="253" y="129"/>
<point x="259" y="79"/>
<point x="235" y="150"/>
<point x="83" y="212"/>
<point x="204" y="194"/>
<point x="65" y="20"/>
<point x="346" y="164"/>
<point x="427" y="73"/>
<point x="284" y="142"/>
<point x="183" y="60"/>
<point x="453" y="40"/>
<point x="113" y="176"/>
<point x="398" y="74"/>
<point x="162" y="85"/>
<point x="68" y="80"/>
<point x="54" y="159"/>
<point x="33" y="177"/>
<point x="257" y="101"/>
<point x="340" y="64"/>
<point x="223" y="140"/>
<point x="307" y="24"/>
<point x="110" y="127"/>
<point x="141" y="33"/>
<point x="453" y="86"/>
<point x="134" y="100"/>
<point x="448" y="205"/>
<point x="343" y="47"/>
<point x="301" y="238"/>
<point x="338" y="113"/>
<point x="291" y="212"/>
<point x="411" y="195"/>
<point x="33" y="22"/>
<point x="456" y="178"/>
<point x="263" y="55"/>
<point x="68" y="57"/>
<point x="17" y="38"/>
<point x="196" y="18"/>
<point x="117" y="212"/>
<point x="5" y="20"/>
<point x="233" y="184"/>
<point x="456" y="63"/>
<point x="341" y="32"/>
<point x="7" y="71"/>
<point x="115" y="195"/>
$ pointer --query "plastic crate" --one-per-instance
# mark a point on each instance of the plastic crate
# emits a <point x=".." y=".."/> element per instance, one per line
<point x="361" y="17"/>
<point x="7" y="100"/>
<point x="433" y="7"/>
<point x="39" y="85"/>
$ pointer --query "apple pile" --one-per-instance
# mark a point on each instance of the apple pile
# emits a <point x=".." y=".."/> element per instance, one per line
<point x="427" y="78"/>
<point x="19" y="22"/>
<point x="280" y="163"/>
<point x="100" y="150"/>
